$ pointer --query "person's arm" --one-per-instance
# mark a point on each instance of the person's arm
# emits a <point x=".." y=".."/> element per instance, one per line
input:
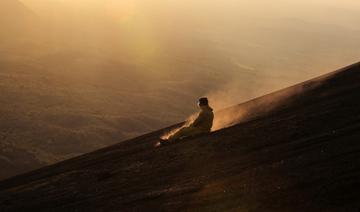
<point x="198" y="120"/>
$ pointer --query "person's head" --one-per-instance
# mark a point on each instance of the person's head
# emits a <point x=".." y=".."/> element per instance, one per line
<point x="203" y="102"/>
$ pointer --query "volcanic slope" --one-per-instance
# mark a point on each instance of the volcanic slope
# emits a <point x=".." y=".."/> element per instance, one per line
<point x="302" y="155"/>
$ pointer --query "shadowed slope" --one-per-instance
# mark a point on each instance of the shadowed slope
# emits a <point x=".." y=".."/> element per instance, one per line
<point x="302" y="155"/>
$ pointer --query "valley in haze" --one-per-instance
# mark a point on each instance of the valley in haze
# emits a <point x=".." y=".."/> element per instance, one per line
<point x="76" y="76"/>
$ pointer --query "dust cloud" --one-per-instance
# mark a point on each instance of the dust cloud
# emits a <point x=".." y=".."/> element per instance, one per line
<point x="187" y="123"/>
<point x="229" y="113"/>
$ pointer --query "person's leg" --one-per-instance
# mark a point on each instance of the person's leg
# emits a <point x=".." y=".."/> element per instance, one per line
<point x="184" y="132"/>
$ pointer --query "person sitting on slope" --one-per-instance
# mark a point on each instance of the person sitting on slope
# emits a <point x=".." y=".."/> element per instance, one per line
<point x="201" y="125"/>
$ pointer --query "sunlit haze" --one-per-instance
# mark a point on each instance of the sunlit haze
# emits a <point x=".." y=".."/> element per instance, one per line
<point x="281" y="42"/>
<point x="78" y="75"/>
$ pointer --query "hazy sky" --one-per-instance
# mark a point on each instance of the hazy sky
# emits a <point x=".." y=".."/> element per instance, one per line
<point x="282" y="41"/>
<point x="213" y="18"/>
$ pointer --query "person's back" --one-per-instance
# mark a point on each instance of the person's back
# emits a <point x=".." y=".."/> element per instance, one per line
<point x="204" y="121"/>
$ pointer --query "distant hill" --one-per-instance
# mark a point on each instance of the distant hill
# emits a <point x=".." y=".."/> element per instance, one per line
<point x="302" y="155"/>
<point x="15" y="18"/>
<point x="52" y="114"/>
